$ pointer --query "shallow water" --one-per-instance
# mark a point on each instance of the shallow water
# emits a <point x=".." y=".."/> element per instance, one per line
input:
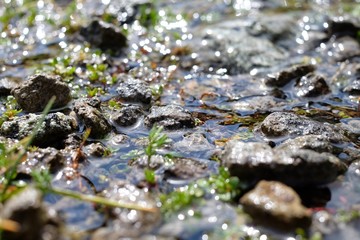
<point x="183" y="52"/>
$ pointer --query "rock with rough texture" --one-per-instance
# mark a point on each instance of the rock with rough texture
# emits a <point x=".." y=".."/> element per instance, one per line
<point x="311" y="85"/>
<point x="128" y="223"/>
<point x="300" y="167"/>
<point x="54" y="128"/>
<point x="281" y="78"/>
<point x="170" y="117"/>
<point x="186" y="168"/>
<point x="34" y="218"/>
<point x="33" y="94"/>
<point x="88" y="111"/>
<point x="286" y="124"/>
<point x="127" y="115"/>
<point x="275" y="204"/>
<point x="134" y="90"/>
<point x="42" y="158"/>
<point x="96" y="150"/>
<point x="104" y="35"/>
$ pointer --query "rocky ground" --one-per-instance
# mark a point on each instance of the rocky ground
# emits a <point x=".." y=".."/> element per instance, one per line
<point x="204" y="119"/>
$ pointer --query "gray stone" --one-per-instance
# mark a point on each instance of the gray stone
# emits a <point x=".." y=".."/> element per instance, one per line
<point x="275" y="204"/>
<point x="353" y="88"/>
<point x="27" y="209"/>
<point x="104" y="35"/>
<point x="127" y="115"/>
<point x="33" y="94"/>
<point x="186" y="168"/>
<point x="283" y="77"/>
<point x="53" y="130"/>
<point x="170" y="117"/>
<point x="311" y="85"/>
<point x="89" y="112"/>
<point x="286" y="124"/>
<point x="134" y="90"/>
<point x="300" y="167"/>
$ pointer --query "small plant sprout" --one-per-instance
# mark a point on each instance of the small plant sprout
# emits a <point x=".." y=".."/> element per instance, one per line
<point x="156" y="140"/>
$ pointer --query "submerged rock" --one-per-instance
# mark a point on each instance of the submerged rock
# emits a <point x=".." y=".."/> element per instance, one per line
<point x="286" y="124"/>
<point x="134" y="90"/>
<point x="104" y="35"/>
<point x="170" y="117"/>
<point x="53" y="130"/>
<point x="33" y="94"/>
<point x="35" y="220"/>
<point x="311" y="85"/>
<point x="88" y="111"/>
<point x="275" y="204"/>
<point x="255" y="161"/>
<point x="281" y="78"/>
<point x="127" y="115"/>
<point x="128" y="223"/>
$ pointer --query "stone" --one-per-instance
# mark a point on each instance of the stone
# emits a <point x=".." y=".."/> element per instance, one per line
<point x="127" y="115"/>
<point x="186" y="168"/>
<point x="343" y="27"/>
<point x="35" y="219"/>
<point x="104" y="35"/>
<point x="54" y="128"/>
<point x="311" y="85"/>
<point x="275" y="204"/>
<point x="170" y="117"/>
<point x="287" y="124"/>
<point x="353" y="88"/>
<point x="96" y="150"/>
<point x="33" y="94"/>
<point x="283" y="77"/>
<point x="300" y="167"/>
<point x="135" y="91"/>
<point x="89" y="113"/>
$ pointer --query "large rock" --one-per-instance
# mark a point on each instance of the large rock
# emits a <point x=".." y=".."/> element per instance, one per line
<point x="34" y="218"/>
<point x="275" y="204"/>
<point x="300" y="167"/>
<point x="170" y="117"/>
<point x="134" y="90"/>
<point x="127" y="115"/>
<point x="33" y="94"/>
<point x="286" y="124"/>
<point x="104" y="35"/>
<point x="89" y="112"/>
<point x="56" y="127"/>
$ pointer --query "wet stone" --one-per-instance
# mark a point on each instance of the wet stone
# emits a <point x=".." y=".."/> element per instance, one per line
<point x="282" y="78"/>
<point x="33" y="94"/>
<point x="134" y="90"/>
<point x="53" y="130"/>
<point x="127" y="115"/>
<point x="343" y="27"/>
<point x="43" y="158"/>
<point x="300" y="167"/>
<point x="344" y="48"/>
<point x="27" y="209"/>
<point x="128" y="222"/>
<point x="7" y="84"/>
<point x="104" y="35"/>
<point x="286" y="124"/>
<point x="170" y="117"/>
<point x="275" y="204"/>
<point x="311" y="86"/>
<point x="96" y="150"/>
<point x="89" y="113"/>
<point x="185" y="168"/>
